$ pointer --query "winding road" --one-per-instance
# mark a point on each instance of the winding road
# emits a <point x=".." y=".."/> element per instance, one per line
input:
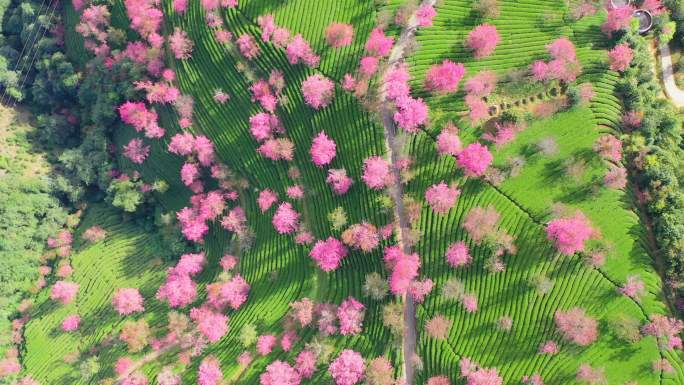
<point x="387" y="111"/>
<point x="675" y="94"/>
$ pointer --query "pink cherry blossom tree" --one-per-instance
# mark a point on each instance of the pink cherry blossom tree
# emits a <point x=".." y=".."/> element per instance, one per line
<point x="477" y="375"/>
<point x="305" y="363"/>
<point x="211" y="324"/>
<point x="666" y="330"/>
<point x="339" y="34"/>
<point x="441" y="197"/>
<point x="591" y="376"/>
<point x="424" y="14"/>
<point x="318" y="91"/>
<point x="438" y="327"/>
<point x="570" y="233"/>
<point x="323" y="150"/>
<point x="339" y="181"/>
<point x="248" y="46"/>
<point x="482" y="84"/>
<point x="286" y="219"/>
<point x="477" y="108"/>
<point x="576" y="326"/>
<point x="128" y="301"/>
<point x="615" y="178"/>
<point x="458" y="254"/>
<point x="448" y="142"/>
<point x="609" y="147"/>
<point x="136" y="151"/>
<point x="209" y="372"/>
<point x="328" y="254"/>
<point x="411" y="113"/>
<point x="620" y="57"/>
<point x="362" y="236"/>
<point x="379" y="44"/>
<point x="180" y="44"/>
<point x="474" y="159"/>
<point x="348" y="368"/>
<point x="350" y="313"/>
<point x="265" y="344"/>
<point x="64" y="292"/>
<point x="280" y="373"/>
<point x="618" y="18"/>
<point x="444" y="77"/>
<point x="376" y="173"/>
<point x="482" y="40"/>
<point x="71" y="323"/>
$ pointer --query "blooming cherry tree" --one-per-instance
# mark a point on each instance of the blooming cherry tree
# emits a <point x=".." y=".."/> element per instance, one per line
<point x="483" y="39"/>
<point x="318" y="91"/>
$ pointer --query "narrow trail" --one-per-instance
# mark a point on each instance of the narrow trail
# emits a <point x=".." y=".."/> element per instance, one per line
<point x="674" y="93"/>
<point x="410" y="336"/>
<point x="149" y="357"/>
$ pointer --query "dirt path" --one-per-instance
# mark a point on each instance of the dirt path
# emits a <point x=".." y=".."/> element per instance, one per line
<point x="397" y="192"/>
<point x="675" y="94"/>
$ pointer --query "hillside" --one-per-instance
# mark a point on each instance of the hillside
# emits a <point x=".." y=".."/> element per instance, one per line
<point x="512" y="213"/>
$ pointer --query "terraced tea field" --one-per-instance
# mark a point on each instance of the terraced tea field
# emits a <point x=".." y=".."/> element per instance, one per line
<point x="280" y="271"/>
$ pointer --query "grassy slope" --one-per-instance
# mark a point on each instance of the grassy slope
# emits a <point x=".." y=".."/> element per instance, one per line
<point x="126" y="258"/>
<point x="523" y="40"/>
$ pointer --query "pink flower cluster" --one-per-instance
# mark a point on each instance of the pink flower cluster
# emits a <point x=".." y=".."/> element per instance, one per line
<point x="323" y="150"/>
<point x="379" y="44"/>
<point x="205" y="208"/>
<point x="318" y="91"/>
<point x="411" y="113"/>
<point x="569" y="234"/>
<point x="618" y="18"/>
<point x="297" y="49"/>
<point x="209" y="372"/>
<point x="64" y="292"/>
<point x="474" y="159"/>
<point x="458" y="254"/>
<point x="136" y="151"/>
<point x="504" y="132"/>
<point x="232" y="293"/>
<point x="137" y="115"/>
<point x="95" y="21"/>
<point x="609" y="147"/>
<point x="350" y="313"/>
<point x="211" y="324"/>
<point x="444" y="77"/>
<point x="339" y="181"/>
<point x="71" y="323"/>
<point x="576" y="326"/>
<point x="376" y="173"/>
<point x="128" y="301"/>
<point x="361" y="236"/>
<point x="266" y="199"/>
<point x="280" y="373"/>
<point x="403" y="269"/>
<point x="620" y="57"/>
<point x="328" y="253"/>
<point x="348" y="368"/>
<point x="339" y="34"/>
<point x="448" y="142"/>
<point x="477" y="375"/>
<point x="482" y="84"/>
<point x="180" y="290"/>
<point x="482" y="40"/>
<point x="286" y="219"/>
<point x="180" y="44"/>
<point x="666" y="330"/>
<point x="564" y="65"/>
<point x="441" y="197"/>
